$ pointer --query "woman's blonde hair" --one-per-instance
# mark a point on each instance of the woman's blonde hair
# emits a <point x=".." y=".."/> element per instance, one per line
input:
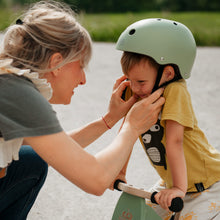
<point x="48" y="27"/>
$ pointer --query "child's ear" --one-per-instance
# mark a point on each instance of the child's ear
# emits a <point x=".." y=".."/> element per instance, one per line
<point x="168" y="73"/>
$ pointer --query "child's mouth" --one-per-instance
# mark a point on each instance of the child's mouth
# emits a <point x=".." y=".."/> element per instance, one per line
<point x="141" y="96"/>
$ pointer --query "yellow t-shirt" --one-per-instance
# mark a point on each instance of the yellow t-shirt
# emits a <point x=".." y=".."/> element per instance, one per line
<point x="202" y="160"/>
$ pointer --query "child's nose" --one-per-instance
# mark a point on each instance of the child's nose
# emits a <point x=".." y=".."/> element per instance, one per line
<point x="135" y="88"/>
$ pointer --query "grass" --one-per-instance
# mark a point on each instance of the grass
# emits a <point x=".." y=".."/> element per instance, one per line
<point x="205" y="26"/>
<point x="7" y="16"/>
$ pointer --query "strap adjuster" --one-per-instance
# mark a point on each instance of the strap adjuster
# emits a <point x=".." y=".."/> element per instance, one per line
<point x="200" y="187"/>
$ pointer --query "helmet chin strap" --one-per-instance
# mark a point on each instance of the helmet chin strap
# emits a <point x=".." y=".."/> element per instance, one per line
<point x="159" y="76"/>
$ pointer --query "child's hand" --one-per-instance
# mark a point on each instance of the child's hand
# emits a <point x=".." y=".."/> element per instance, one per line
<point x="164" y="197"/>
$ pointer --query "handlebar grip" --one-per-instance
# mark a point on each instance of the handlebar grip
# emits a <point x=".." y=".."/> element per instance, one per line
<point x="116" y="184"/>
<point x="176" y="204"/>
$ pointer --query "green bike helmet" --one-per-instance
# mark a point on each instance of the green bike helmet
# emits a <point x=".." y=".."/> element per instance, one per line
<point x="166" y="41"/>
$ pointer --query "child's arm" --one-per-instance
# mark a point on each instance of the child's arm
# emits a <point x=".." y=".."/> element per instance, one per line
<point x="176" y="161"/>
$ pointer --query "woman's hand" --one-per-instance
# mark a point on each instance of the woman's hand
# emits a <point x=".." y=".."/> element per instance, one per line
<point x="165" y="197"/>
<point x="145" y="113"/>
<point x="118" y="108"/>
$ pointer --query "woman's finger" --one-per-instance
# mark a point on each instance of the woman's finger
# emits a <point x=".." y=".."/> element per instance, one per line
<point x="119" y="90"/>
<point x="159" y="102"/>
<point x="155" y="96"/>
<point x="119" y="81"/>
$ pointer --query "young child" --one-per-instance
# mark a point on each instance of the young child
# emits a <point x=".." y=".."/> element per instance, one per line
<point x="159" y="52"/>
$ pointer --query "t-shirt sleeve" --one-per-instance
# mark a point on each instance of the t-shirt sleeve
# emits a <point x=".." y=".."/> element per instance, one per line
<point x="178" y="106"/>
<point x="24" y="112"/>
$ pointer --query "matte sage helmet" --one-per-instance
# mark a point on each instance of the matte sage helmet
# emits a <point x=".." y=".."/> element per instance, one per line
<point x="166" y="41"/>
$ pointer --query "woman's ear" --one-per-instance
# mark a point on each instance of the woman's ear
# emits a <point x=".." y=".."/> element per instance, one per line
<point x="55" y="60"/>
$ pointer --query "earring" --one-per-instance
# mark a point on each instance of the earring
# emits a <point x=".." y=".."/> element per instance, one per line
<point x="56" y="71"/>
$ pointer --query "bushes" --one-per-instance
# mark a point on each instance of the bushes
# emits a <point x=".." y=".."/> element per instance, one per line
<point x="108" y="27"/>
<point x="100" y="6"/>
<point x="97" y="6"/>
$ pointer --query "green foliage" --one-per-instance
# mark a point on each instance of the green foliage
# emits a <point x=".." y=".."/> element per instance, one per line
<point x="100" y="6"/>
<point x="7" y="16"/>
<point x="110" y="6"/>
<point x="189" y="5"/>
<point x="107" y="27"/>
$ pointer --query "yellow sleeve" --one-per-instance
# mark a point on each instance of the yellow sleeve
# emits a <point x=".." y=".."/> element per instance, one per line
<point x="178" y="106"/>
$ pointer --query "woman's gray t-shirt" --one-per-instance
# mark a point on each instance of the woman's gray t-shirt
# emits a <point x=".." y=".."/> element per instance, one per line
<point x="24" y="112"/>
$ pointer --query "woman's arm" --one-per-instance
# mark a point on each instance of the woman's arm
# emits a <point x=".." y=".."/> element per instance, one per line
<point x="117" y="109"/>
<point x="91" y="173"/>
<point x="88" y="133"/>
<point x="176" y="161"/>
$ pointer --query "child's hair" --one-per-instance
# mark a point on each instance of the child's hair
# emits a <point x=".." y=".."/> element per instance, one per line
<point x="46" y="28"/>
<point x="129" y="59"/>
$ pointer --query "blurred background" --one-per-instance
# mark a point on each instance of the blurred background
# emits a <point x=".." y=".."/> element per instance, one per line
<point x="105" y="20"/>
<point x="97" y="6"/>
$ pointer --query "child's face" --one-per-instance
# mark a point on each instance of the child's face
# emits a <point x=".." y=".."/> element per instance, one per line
<point x="142" y="77"/>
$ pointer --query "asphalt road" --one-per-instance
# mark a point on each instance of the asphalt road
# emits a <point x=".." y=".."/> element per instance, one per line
<point x="59" y="199"/>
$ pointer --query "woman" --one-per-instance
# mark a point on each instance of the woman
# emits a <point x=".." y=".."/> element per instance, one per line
<point x="42" y="62"/>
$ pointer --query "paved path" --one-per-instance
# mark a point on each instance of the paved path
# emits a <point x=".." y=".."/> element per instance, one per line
<point x="61" y="200"/>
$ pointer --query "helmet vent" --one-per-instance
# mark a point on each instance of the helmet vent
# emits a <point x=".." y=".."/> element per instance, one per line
<point x="174" y="23"/>
<point x="132" y="31"/>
